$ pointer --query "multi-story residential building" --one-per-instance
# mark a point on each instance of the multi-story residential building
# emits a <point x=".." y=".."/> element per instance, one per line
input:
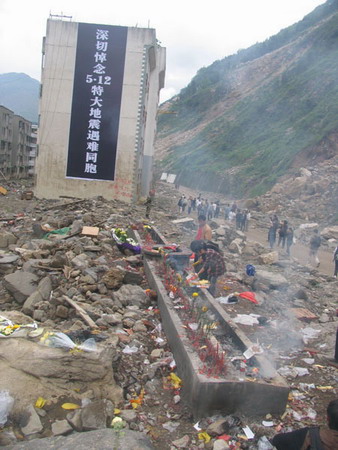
<point x="98" y="107"/>
<point x="6" y="138"/>
<point x="33" y="150"/>
<point x="22" y="130"/>
<point x="17" y="144"/>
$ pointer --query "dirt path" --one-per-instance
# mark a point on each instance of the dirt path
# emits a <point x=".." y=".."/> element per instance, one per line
<point x="299" y="252"/>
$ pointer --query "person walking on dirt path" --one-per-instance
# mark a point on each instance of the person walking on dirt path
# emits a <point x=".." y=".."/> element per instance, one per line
<point x="239" y="216"/>
<point x="190" y="205"/>
<point x="274" y="221"/>
<point x="289" y="240"/>
<point x="184" y="203"/>
<point x="226" y="211"/>
<point x="204" y="231"/>
<point x="272" y="236"/>
<point x="282" y="230"/>
<point x="179" y="204"/>
<point x="248" y="217"/>
<point x="323" y="438"/>
<point x="315" y="243"/>
<point x="210" y="211"/>
<point x="335" y="259"/>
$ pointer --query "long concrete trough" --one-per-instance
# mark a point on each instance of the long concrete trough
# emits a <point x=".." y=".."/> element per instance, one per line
<point x="210" y="395"/>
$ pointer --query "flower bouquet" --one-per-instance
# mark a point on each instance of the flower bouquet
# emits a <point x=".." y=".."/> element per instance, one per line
<point x="124" y="242"/>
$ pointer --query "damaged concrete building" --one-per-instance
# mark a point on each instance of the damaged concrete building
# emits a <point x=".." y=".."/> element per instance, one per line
<point x="98" y="107"/>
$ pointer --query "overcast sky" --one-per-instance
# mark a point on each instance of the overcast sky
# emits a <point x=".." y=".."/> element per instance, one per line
<point x="194" y="33"/>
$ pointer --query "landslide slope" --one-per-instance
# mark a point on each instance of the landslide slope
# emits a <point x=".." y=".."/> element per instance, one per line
<point x="245" y="120"/>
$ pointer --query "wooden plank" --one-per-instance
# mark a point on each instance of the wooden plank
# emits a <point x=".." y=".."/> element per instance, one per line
<point x="81" y="311"/>
<point x="184" y="220"/>
<point x="303" y="314"/>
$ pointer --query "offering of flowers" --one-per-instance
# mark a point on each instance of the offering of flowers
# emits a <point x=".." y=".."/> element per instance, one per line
<point x="124" y="242"/>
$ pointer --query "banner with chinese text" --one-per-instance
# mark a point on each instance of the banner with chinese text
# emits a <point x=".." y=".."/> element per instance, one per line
<point x="97" y="92"/>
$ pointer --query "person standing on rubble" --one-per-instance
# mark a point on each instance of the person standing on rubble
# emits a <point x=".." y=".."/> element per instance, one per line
<point x="272" y="236"/>
<point x="323" y="438"/>
<point x="148" y="204"/>
<point x="282" y="230"/>
<point x="204" y="231"/>
<point x="213" y="266"/>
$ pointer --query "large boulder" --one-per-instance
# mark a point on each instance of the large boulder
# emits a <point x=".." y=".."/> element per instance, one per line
<point x="42" y="293"/>
<point x="253" y="248"/>
<point x="268" y="258"/>
<point x="106" y="439"/>
<point x="236" y="246"/>
<point x="20" y="284"/>
<point x="39" y="370"/>
<point x="271" y="279"/>
<point x="330" y="233"/>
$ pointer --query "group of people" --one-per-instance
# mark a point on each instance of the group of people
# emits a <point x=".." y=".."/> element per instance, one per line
<point x="240" y="216"/>
<point x="211" y="210"/>
<point x="282" y="231"/>
<point x="202" y="206"/>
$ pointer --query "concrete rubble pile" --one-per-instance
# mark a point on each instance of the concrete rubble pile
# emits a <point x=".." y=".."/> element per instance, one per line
<point x="309" y="195"/>
<point x="45" y="282"/>
<point x="82" y="286"/>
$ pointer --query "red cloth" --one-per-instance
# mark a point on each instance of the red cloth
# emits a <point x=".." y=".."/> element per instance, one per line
<point x="199" y="234"/>
<point x="249" y="296"/>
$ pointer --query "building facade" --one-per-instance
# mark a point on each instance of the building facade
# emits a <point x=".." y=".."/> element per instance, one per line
<point x="17" y="142"/>
<point x="98" y="107"/>
<point x="6" y="138"/>
<point x="32" y="151"/>
<point x="21" y="147"/>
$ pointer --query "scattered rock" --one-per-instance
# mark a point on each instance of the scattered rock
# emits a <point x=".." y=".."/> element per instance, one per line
<point x="183" y="442"/>
<point x="113" y="279"/>
<point x="96" y="415"/>
<point x="30" y="422"/>
<point x="7" y="239"/>
<point x="61" y="428"/>
<point x="20" y="284"/>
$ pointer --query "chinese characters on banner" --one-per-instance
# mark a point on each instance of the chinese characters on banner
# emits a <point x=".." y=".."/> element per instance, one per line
<point x="97" y="92"/>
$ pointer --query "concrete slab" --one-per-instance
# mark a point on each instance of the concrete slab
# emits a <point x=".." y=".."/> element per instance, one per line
<point x="208" y="395"/>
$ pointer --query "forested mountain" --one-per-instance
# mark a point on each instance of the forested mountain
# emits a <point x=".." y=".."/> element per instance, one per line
<point x="245" y="120"/>
<point x="20" y="93"/>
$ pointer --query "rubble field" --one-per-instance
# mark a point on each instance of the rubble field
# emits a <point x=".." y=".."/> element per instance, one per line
<point x="81" y="332"/>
